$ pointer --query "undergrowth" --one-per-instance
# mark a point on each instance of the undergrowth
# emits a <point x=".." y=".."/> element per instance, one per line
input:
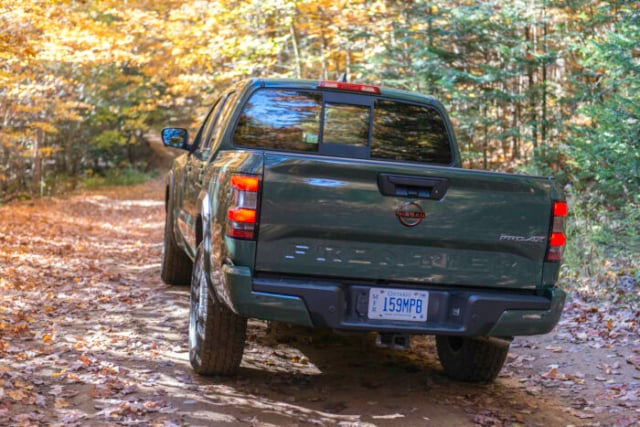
<point x="602" y="257"/>
<point x="118" y="177"/>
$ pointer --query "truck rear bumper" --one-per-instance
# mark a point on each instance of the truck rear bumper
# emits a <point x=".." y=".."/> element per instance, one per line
<point x="343" y="306"/>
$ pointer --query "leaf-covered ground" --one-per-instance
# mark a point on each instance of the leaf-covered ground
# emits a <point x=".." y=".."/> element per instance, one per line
<point x="89" y="335"/>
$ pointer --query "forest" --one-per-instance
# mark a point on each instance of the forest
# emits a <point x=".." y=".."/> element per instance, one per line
<point x="539" y="87"/>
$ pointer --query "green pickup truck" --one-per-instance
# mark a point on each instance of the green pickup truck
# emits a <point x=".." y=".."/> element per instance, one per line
<point x="344" y="206"/>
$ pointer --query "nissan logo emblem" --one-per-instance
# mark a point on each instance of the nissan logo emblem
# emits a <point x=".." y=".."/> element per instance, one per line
<point x="410" y="214"/>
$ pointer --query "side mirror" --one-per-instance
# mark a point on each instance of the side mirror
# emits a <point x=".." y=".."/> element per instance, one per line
<point x="175" y="138"/>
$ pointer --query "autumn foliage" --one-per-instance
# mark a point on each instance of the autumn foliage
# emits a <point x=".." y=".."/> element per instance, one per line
<point x="538" y="87"/>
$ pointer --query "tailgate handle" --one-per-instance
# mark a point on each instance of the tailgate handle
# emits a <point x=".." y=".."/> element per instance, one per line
<point x="416" y="187"/>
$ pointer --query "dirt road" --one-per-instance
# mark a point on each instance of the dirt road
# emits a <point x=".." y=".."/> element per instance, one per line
<point x="89" y="335"/>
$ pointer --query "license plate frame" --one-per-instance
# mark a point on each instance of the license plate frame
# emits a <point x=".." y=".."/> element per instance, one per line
<point x="408" y="305"/>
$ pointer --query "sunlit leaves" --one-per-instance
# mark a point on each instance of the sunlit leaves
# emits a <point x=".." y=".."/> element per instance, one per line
<point x="512" y="74"/>
<point x="610" y="145"/>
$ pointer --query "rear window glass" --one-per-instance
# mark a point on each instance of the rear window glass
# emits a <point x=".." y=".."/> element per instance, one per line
<point x="346" y="124"/>
<point x="291" y="120"/>
<point x="279" y="119"/>
<point x="409" y="132"/>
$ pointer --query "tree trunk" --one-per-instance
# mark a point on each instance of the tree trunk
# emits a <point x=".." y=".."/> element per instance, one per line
<point x="531" y="38"/>
<point x="35" y="159"/>
<point x="543" y="123"/>
<point x="296" y="48"/>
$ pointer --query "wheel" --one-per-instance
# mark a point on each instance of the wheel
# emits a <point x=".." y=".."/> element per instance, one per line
<point x="216" y="334"/>
<point x="176" y="264"/>
<point x="471" y="359"/>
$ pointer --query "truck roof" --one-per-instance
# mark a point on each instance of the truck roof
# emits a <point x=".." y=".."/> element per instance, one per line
<point x="398" y="94"/>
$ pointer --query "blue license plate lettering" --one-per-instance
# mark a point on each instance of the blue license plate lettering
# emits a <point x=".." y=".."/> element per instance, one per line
<point x="398" y="304"/>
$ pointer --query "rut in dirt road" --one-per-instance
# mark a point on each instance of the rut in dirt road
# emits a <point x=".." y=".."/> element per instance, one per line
<point x="89" y="335"/>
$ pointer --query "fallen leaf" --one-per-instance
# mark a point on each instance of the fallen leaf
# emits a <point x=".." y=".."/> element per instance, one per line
<point x="41" y="400"/>
<point x="551" y="374"/>
<point x="61" y="403"/>
<point x="580" y="414"/>
<point x="387" y="417"/>
<point x="16" y="395"/>
<point x="635" y="361"/>
<point x="59" y="373"/>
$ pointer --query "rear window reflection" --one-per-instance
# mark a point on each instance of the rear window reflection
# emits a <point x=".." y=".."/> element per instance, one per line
<point x="284" y="120"/>
<point x="290" y="120"/>
<point x="409" y="132"/>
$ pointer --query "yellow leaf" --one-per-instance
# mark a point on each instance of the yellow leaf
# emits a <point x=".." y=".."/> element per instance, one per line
<point x="16" y="395"/>
<point x="44" y="126"/>
<point x="59" y="374"/>
<point x="61" y="403"/>
<point x="5" y="76"/>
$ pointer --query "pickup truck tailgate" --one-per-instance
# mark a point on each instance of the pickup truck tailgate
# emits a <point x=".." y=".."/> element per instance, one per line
<point x="329" y="217"/>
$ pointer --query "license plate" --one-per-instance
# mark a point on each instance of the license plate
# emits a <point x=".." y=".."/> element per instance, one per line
<point x="398" y="304"/>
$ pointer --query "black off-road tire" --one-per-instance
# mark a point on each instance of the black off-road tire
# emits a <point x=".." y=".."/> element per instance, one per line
<point x="216" y="334"/>
<point x="176" y="264"/>
<point x="471" y="359"/>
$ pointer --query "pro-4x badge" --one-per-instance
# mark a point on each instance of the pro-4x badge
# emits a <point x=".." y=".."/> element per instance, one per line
<point x="410" y="214"/>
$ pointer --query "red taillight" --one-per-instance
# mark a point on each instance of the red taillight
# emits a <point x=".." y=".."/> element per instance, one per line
<point x="245" y="183"/>
<point x="560" y="209"/>
<point x="557" y="238"/>
<point x="353" y="87"/>
<point x="242" y="216"/>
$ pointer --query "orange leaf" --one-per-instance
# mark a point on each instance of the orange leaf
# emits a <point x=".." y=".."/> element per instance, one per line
<point x="551" y="375"/>
<point x="16" y="395"/>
